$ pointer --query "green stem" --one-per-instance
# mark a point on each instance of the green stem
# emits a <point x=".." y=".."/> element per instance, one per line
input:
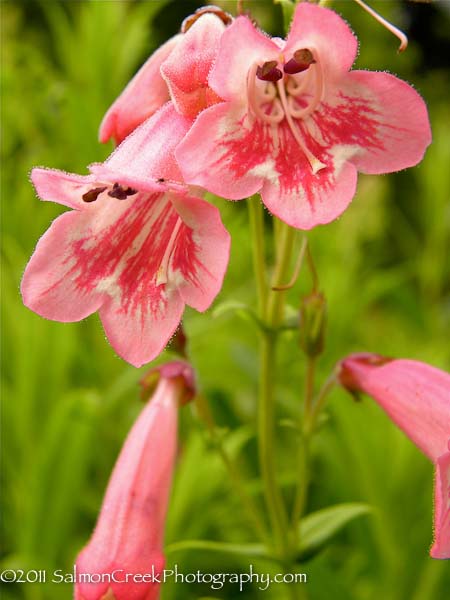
<point x="319" y="403"/>
<point x="251" y="508"/>
<point x="266" y="416"/>
<point x="304" y="448"/>
<point x="256" y="216"/>
<point x="276" y="299"/>
<point x="273" y="497"/>
<point x="271" y="306"/>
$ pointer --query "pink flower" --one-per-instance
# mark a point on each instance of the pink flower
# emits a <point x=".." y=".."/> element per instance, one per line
<point x="188" y="58"/>
<point x="296" y="124"/>
<point x="128" y="538"/>
<point x="416" y="397"/>
<point x="135" y="248"/>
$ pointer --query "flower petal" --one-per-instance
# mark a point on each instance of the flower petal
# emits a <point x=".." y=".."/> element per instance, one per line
<point x="224" y="161"/>
<point x="61" y="187"/>
<point x="321" y="29"/>
<point x="187" y="68"/>
<point x="143" y="96"/>
<point x="201" y="253"/>
<point x="50" y="285"/>
<point x="148" y="152"/>
<point x="416" y="396"/>
<point x="383" y="118"/>
<point x="441" y="545"/>
<point x="241" y="156"/>
<point x="241" y="46"/>
<point x="303" y="199"/>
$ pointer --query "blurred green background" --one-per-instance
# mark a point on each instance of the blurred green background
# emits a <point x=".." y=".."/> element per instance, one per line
<point x="68" y="401"/>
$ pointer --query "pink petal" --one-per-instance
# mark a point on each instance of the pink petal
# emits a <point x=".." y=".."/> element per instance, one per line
<point x="241" y="46"/>
<point x="187" y="69"/>
<point x="48" y="285"/>
<point x="60" y="187"/>
<point x="226" y="161"/>
<point x="240" y="156"/>
<point x="304" y="199"/>
<point x="148" y="152"/>
<point x="383" y="118"/>
<point x="142" y="97"/>
<point x="200" y="258"/>
<point x="320" y="29"/>
<point x="441" y="545"/>
<point x="416" y="396"/>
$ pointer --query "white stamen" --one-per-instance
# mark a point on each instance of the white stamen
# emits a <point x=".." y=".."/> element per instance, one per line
<point x="276" y="115"/>
<point x="272" y="108"/>
<point x="315" y="163"/>
<point x="318" y="93"/>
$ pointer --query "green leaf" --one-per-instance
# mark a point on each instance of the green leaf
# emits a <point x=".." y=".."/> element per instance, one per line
<point x="249" y="550"/>
<point x="317" y="528"/>
<point x="240" y="309"/>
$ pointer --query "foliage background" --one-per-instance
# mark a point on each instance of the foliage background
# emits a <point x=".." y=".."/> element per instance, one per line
<point x="68" y="401"/>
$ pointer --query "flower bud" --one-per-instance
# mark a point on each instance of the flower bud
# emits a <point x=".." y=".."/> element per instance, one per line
<point x="124" y="557"/>
<point x="312" y="323"/>
<point x="416" y="396"/>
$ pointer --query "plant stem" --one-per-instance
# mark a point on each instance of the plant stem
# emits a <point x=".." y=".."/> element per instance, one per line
<point x="273" y="497"/>
<point x="319" y="403"/>
<point x="304" y="449"/>
<point x="272" y="316"/>
<point x="236" y="479"/>
<point x="256" y="216"/>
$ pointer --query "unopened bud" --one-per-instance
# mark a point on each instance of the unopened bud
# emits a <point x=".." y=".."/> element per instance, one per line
<point x="313" y="310"/>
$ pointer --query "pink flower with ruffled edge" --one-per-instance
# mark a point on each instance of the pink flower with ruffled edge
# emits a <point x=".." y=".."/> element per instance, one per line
<point x="416" y="396"/>
<point x="186" y="59"/>
<point x="296" y="125"/>
<point x="136" y="248"/>
<point x="129" y="534"/>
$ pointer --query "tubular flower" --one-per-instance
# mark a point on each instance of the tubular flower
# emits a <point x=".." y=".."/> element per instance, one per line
<point x="141" y="98"/>
<point x="188" y="58"/>
<point x="296" y="124"/>
<point x="135" y="248"/>
<point x="128" y="538"/>
<point x="416" y="397"/>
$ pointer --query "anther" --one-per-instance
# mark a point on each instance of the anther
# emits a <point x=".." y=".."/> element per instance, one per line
<point x="269" y="71"/>
<point x="225" y="17"/>
<point x="92" y="195"/>
<point x="301" y="61"/>
<point x="120" y="192"/>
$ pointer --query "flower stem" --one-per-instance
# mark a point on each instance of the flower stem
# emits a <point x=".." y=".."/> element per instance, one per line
<point x="304" y="449"/>
<point x="274" y="501"/>
<point x="271" y="306"/>
<point x="256" y="216"/>
<point x="236" y="479"/>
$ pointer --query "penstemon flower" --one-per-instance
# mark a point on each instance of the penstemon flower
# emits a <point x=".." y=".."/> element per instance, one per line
<point x="192" y="53"/>
<point x="128" y="540"/>
<point x="416" y="397"/>
<point x="296" y="124"/>
<point x="136" y="248"/>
